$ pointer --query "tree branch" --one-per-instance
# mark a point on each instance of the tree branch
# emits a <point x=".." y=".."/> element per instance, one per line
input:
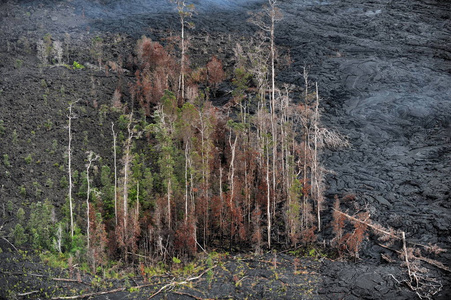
<point x="172" y="284"/>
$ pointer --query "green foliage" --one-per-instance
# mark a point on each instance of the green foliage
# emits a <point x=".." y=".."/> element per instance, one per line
<point x="77" y="243"/>
<point x="2" y="127"/>
<point x="54" y="145"/>
<point x="40" y="225"/>
<point x="77" y="66"/>
<point x="19" y="235"/>
<point x="75" y="177"/>
<point x="37" y="189"/>
<point x="54" y="260"/>
<point x="210" y="265"/>
<point x="97" y="39"/>
<point x="6" y="160"/>
<point x="28" y="159"/>
<point x="48" y="44"/>
<point x="176" y="260"/>
<point x="241" y="81"/>
<point x="82" y="191"/>
<point x="10" y="207"/>
<point x="14" y="136"/>
<point x="20" y="215"/>
<point x="43" y="83"/>
<point x="49" y="183"/>
<point x="22" y="190"/>
<point x="18" y="64"/>
<point x="123" y="122"/>
<point x="107" y="191"/>
<point x="64" y="183"/>
<point x="48" y="124"/>
<point x="169" y="103"/>
<point x="235" y="125"/>
<point x="96" y="48"/>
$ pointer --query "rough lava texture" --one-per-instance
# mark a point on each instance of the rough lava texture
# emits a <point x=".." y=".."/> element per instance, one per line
<point x="384" y="73"/>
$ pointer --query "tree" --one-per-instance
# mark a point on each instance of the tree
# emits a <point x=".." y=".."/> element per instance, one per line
<point x="70" y="116"/>
<point x="91" y="158"/>
<point x="157" y="72"/>
<point x="97" y="232"/>
<point x="165" y="117"/>
<point x="126" y="160"/>
<point x="115" y="172"/>
<point x="215" y="72"/>
<point x="185" y="11"/>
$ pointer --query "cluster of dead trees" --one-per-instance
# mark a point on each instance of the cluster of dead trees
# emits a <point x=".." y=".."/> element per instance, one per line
<point x="190" y="174"/>
<point x="245" y="173"/>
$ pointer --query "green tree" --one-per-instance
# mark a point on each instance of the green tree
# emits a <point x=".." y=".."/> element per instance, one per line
<point x="164" y="130"/>
<point x="41" y="225"/>
<point x="20" y="237"/>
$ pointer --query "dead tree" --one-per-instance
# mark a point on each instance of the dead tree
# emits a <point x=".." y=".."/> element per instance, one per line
<point x="69" y="166"/>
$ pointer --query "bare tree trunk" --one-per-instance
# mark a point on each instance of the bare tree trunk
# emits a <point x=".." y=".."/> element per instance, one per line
<point x="305" y="163"/>
<point x="272" y="12"/>
<point x="316" y="171"/>
<point x="69" y="169"/>
<point x="221" y="199"/>
<point x="268" y="199"/>
<point x="91" y="159"/>
<point x="184" y="11"/>
<point x="115" y="171"/>
<point x="232" y="180"/>
<point x="182" y="73"/>
<point x="169" y="203"/>
<point x="128" y="144"/>
<point x="70" y="174"/>
<point x="186" y="183"/>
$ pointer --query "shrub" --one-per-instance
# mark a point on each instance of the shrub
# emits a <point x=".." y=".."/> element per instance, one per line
<point x="22" y="190"/>
<point x="40" y="225"/>
<point x="63" y="182"/>
<point x="20" y="215"/>
<point x="2" y="127"/>
<point x="6" y="160"/>
<point x="77" y="66"/>
<point x="19" y="235"/>
<point x="28" y="159"/>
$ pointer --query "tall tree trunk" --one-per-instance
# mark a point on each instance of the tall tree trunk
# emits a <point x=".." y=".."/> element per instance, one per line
<point x="232" y="180"/>
<point x="169" y="204"/>
<point x="91" y="159"/>
<point x="69" y="169"/>
<point x="318" y="192"/>
<point x="186" y="183"/>
<point x="268" y="199"/>
<point x="115" y="171"/>
<point x="182" y="73"/>
<point x="128" y="145"/>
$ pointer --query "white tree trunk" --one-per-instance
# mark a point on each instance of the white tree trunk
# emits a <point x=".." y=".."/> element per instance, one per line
<point x="115" y="171"/>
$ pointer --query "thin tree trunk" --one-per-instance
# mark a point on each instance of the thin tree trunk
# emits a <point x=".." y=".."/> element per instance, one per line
<point x="232" y="180"/>
<point x="186" y="183"/>
<point x="182" y="73"/>
<point x="69" y="167"/>
<point x="87" y="206"/>
<point x="126" y="167"/>
<point x="91" y="159"/>
<point x="70" y="175"/>
<point x="115" y="171"/>
<point x="316" y="163"/>
<point x="221" y="199"/>
<point x="268" y="199"/>
<point x="273" y="101"/>
<point x="169" y="203"/>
